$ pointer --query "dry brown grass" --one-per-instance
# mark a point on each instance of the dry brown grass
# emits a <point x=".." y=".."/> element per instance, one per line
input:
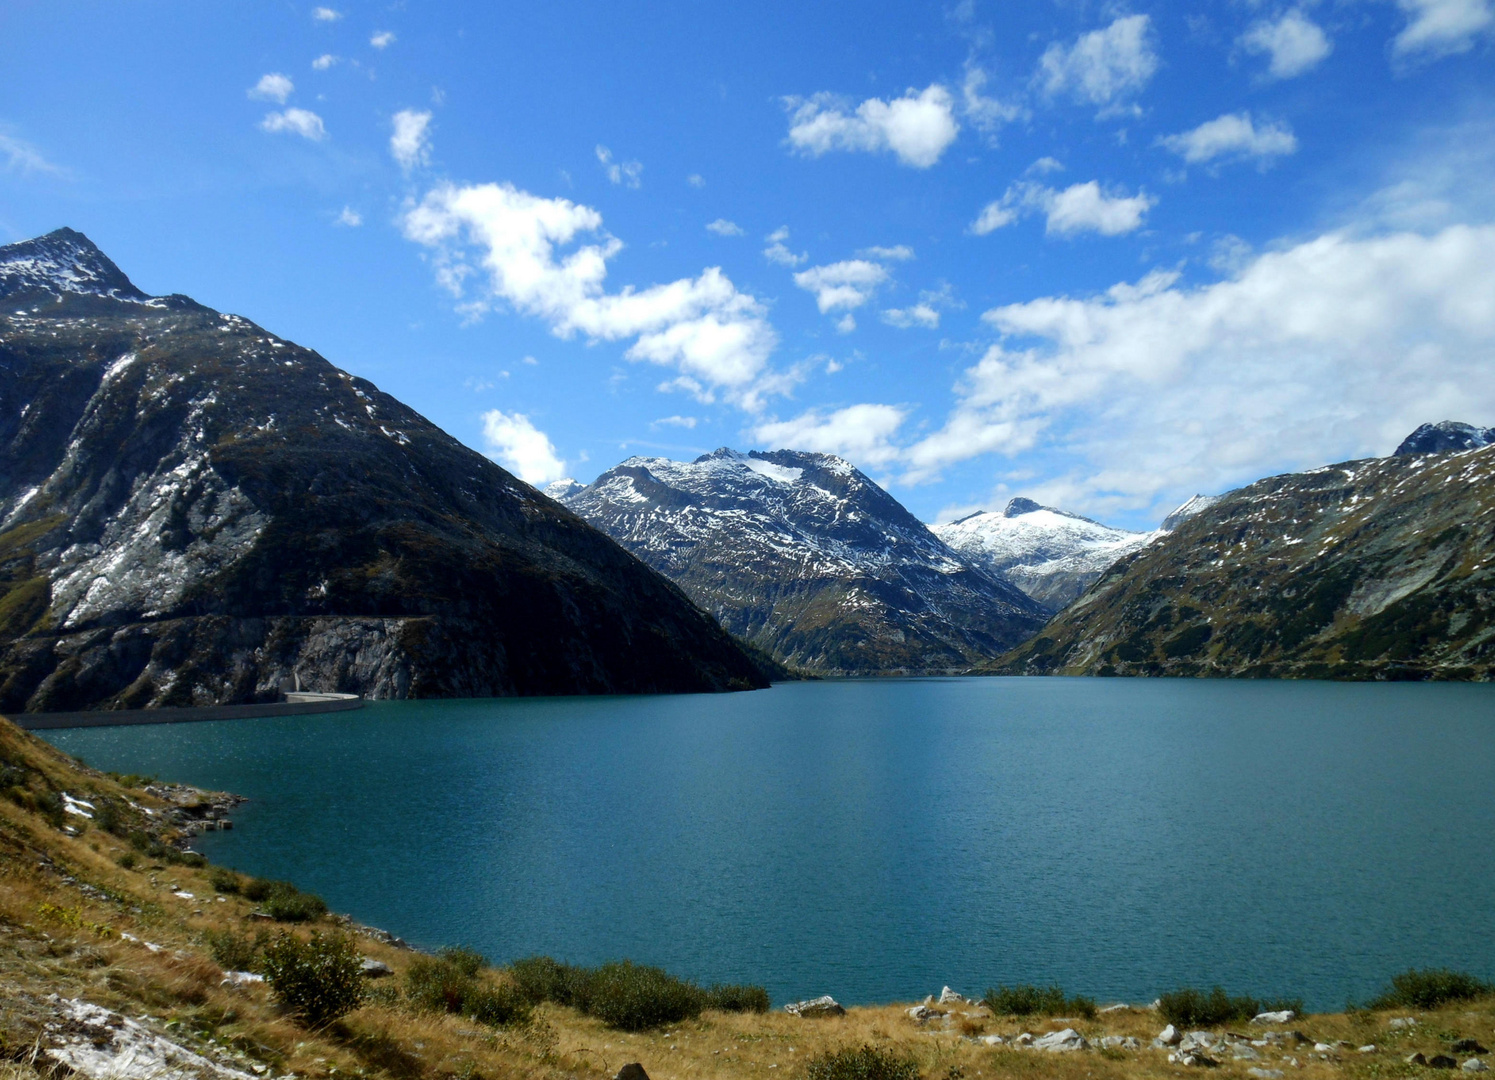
<point x="57" y="938"/>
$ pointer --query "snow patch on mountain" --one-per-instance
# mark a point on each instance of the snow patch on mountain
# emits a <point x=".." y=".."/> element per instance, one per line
<point x="63" y="261"/>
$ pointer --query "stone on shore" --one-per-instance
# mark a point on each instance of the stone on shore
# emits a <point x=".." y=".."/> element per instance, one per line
<point x="1265" y="1074"/>
<point x="924" y="1012"/>
<point x="821" y="1006"/>
<point x="375" y="969"/>
<point x="1401" y="1022"/>
<point x="1284" y="1016"/>
<point x="949" y="997"/>
<point x="1169" y="1036"/>
<point x="1059" y="1042"/>
<point x="1120" y="1042"/>
<point x="1475" y="1065"/>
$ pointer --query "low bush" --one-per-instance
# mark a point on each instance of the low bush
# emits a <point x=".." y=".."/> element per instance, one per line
<point x="316" y="980"/>
<point x="129" y="860"/>
<point x="632" y="997"/>
<point x="1028" y="1000"/>
<point x="235" y="952"/>
<point x="224" y="880"/>
<point x="450" y="982"/>
<point x="732" y="998"/>
<point x="282" y="901"/>
<point x="1192" y="1008"/>
<point x="861" y="1063"/>
<point x="542" y="979"/>
<point x="1431" y="988"/>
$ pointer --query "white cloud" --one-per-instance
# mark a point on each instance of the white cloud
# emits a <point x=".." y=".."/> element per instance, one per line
<point x="778" y="252"/>
<point x="675" y="421"/>
<point x="1233" y="135"/>
<point x="696" y="180"/>
<point x="383" y="39"/>
<point x="1103" y="67"/>
<point x="1078" y="208"/>
<point x="323" y="62"/>
<point x="273" y="87"/>
<point x="349" y="217"/>
<point x="896" y="253"/>
<point x="301" y="122"/>
<point x="326" y="14"/>
<point x="1166" y="390"/>
<point x="500" y="243"/>
<point x="846" y="323"/>
<point x="987" y="113"/>
<point x="723" y="227"/>
<point x="21" y="157"/>
<point x="1443" y="27"/>
<point x="1043" y="166"/>
<point x="916" y="127"/>
<point x="860" y="433"/>
<point x="842" y="286"/>
<point x="914" y="315"/>
<point x="410" y="142"/>
<point x="628" y="173"/>
<point x="1294" y="42"/>
<point x="516" y="444"/>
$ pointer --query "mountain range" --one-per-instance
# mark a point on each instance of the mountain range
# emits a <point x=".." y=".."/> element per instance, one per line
<point x="193" y="510"/>
<point x="804" y="556"/>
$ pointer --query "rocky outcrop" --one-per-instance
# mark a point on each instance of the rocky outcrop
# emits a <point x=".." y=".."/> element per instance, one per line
<point x="1445" y="437"/>
<point x="193" y="510"/>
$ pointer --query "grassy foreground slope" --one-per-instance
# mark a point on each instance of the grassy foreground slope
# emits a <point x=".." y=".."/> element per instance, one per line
<point x="1375" y="569"/>
<point x="114" y="919"/>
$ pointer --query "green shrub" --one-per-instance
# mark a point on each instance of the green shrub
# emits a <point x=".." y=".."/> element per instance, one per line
<point x="194" y="859"/>
<point x="450" y="983"/>
<point x="235" y="952"/>
<point x="1028" y="1000"/>
<point x="129" y="860"/>
<point x="862" y="1063"/>
<point x="317" y="980"/>
<point x="1191" y="1008"/>
<point x="632" y="997"/>
<point x="731" y="998"/>
<point x="224" y="880"/>
<point x="1431" y="988"/>
<point x="282" y="901"/>
<point x="542" y="979"/>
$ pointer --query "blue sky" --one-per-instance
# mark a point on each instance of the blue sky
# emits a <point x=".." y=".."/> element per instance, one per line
<point x="1103" y="255"/>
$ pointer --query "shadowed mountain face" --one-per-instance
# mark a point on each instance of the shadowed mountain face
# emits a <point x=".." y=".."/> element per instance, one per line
<point x="192" y="509"/>
<point x="1376" y="569"/>
<point x="805" y="557"/>
<point x="1444" y="437"/>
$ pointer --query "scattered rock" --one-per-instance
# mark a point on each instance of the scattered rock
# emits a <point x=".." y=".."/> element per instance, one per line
<point x="1192" y="1060"/>
<point x="1416" y="1059"/>
<point x="1401" y="1022"/>
<point x="1120" y="1042"/>
<point x="992" y="1040"/>
<point x="1285" y="1016"/>
<point x="1025" y="1039"/>
<point x="922" y="1013"/>
<point x="1369" y="1048"/>
<point x="1169" y="1036"/>
<point x="1265" y="1074"/>
<point x="1442" y="1061"/>
<point x="950" y="997"/>
<point x="1475" y="1065"/>
<point x="1244" y="1053"/>
<point x="1058" y="1042"/>
<point x="632" y="1071"/>
<point x="241" y="978"/>
<point x="1197" y="1040"/>
<point x="821" y="1006"/>
<point x="1323" y="1048"/>
<point x="375" y="969"/>
<point x="102" y="1045"/>
<point x="1118" y="1007"/>
<point x="1466" y="1046"/>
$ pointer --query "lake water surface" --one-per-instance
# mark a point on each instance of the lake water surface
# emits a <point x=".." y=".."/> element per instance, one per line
<point x="877" y="839"/>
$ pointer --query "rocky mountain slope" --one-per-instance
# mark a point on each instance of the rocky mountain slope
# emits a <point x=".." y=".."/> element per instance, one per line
<point x="1374" y="569"/>
<point x="192" y="510"/>
<point x="805" y="557"/>
<point x="1052" y="555"/>
<point x="1445" y="436"/>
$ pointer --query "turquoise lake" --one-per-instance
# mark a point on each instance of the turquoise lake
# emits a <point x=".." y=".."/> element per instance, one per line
<point x="877" y="839"/>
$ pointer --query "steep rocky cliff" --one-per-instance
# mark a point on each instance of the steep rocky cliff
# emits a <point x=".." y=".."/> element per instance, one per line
<point x="192" y="509"/>
<point x="805" y="557"/>
<point x="1374" y="569"/>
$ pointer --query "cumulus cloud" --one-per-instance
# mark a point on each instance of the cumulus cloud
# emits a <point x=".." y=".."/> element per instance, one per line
<point x="273" y="87"/>
<point x="323" y="62"/>
<point x="1078" y="208"/>
<point x="301" y="122"/>
<point x="1294" y="43"/>
<point x="696" y="180"/>
<point x="1103" y="67"/>
<point x="1442" y="27"/>
<point x="988" y="114"/>
<point x="896" y="253"/>
<point x="842" y="286"/>
<point x="675" y="421"/>
<point x="627" y="173"/>
<point x="410" y="142"/>
<point x="926" y="312"/>
<point x="383" y="39"/>
<point x="723" y="227"/>
<point x="860" y="433"/>
<point x="917" y="127"/>
<point x="350" y="218"/>
<point x="495" y="243"/>
<point x="326" y="14"/>
<point x="778" y="251"/>
<point x="1166" y="390"/>
<point x="1233" y="135"/>
<point x="516" y="444"/>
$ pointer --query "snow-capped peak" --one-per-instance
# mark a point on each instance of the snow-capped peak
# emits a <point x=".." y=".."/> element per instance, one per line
<point x="1197" y="505"/>
<point x="61" y="262"/>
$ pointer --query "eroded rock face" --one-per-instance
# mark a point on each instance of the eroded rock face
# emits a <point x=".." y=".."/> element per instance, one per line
<point x="193" y="510"/>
